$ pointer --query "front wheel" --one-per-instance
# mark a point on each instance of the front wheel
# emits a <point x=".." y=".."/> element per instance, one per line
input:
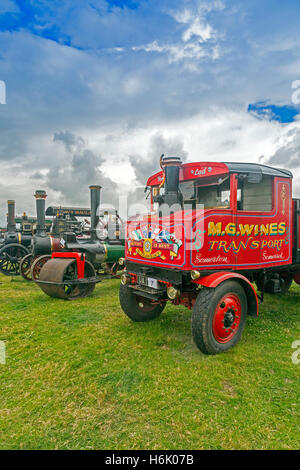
<point x="219" y="317"/>
<point x="138" y="308"/>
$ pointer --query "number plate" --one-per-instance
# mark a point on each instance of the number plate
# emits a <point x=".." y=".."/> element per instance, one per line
<point x="148" y="281"/>
<point x="152" y="283"/>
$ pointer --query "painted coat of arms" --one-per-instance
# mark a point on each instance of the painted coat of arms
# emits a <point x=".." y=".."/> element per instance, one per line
<point x="153" y="243"/>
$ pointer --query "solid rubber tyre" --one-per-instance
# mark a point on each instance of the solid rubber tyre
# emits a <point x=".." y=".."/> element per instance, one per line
<point x="215" y="307"/>
<point x="138" y="308"/>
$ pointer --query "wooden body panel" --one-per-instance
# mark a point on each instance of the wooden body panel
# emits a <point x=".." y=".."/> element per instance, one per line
<point x="216" y="239"/>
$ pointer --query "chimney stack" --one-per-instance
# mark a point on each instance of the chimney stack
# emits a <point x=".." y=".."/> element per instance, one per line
<point x="95" y="203"/>
<point x="171" y="167"/>
<point x="40" y="197"/>
<point x="11" y="221"/>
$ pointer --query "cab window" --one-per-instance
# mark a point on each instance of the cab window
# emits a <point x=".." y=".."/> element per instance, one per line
<point x="256" y="196"/>
<point x="213" y="193"/>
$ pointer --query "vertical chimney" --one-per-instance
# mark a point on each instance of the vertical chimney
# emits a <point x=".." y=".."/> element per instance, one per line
<point x="40" y="197"/>
<point x="95" y="203"/>
<point x="11" y="221"/>
<point x="171" y="167"/>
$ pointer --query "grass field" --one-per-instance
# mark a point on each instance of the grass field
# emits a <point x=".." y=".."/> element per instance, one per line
<point x="81" y="375"/>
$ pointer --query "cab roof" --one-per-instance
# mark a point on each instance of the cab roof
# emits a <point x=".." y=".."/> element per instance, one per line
<point x="256" y="168"/>
<point x="189" y="171"/>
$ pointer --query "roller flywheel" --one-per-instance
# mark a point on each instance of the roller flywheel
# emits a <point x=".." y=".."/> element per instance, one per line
<point x="25" y="267"/>
<point x="58" y="278"/>
<point x="37" y="265"/>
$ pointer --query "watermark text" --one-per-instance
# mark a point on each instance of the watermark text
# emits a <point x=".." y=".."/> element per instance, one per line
<point x="2" y="352"/>
<point x="2" y="92"/>
<point x="296" y="354"/>
<point x="296" y="94"/>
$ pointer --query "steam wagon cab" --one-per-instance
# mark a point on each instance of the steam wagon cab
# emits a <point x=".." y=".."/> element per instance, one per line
<point x="213" y="230"/>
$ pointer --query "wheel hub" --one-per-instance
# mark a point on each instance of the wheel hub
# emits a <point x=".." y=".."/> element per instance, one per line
<point x="229" y="318"/>
<point x="226" y="318"/>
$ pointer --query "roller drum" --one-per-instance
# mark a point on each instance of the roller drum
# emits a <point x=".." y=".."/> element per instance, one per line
<point x="59" y="271"/>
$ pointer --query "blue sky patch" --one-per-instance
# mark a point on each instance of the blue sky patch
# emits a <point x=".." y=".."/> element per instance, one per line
<point x="272" y="112"/>
<point x="30" y="18"/>
<point x="131" y="4"/>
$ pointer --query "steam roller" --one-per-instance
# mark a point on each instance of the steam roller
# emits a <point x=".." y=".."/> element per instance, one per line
<point x="73" y="272"/>
<point x="59" y="278"/>
<point x="43" y="243"/>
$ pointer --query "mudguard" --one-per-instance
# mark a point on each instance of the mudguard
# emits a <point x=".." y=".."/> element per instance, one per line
<point x="214" y="280"/>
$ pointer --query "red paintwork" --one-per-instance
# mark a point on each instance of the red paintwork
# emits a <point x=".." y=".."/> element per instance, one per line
<point x="214" y="279"/>
<point x="217" y="238"/>
<point x="294" y="223"/>
<point x="80" y="260"/>
<point x="229" y="305"/>
<point x="190" y="171"/>
<point x="55" y="244"/>
<point x="220" y="243"/>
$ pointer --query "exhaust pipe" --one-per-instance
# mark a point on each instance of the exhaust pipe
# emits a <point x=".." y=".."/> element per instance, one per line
<point x="95" y="203"/>
<point x="11" y="220"/>
<point x="40" y="197"/>
<point x="171" y="167"/>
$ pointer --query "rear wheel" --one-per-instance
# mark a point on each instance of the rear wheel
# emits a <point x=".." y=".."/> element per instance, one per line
<point x="138" y="308"/>
<point x="219" y="317"/>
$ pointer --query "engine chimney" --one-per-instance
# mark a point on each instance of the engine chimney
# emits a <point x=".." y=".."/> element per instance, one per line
<point x="40" y="197"/>
<point x="11" y="221"/>
<point x="171" y="166"/>
<point x="95" y="203"/>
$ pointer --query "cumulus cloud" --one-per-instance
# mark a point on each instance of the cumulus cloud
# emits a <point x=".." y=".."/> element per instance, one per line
<point x="174" y="76"/>
<point x="198" y="38"/>
<point x="148" y="164"/>
<point x="287" y="153"/>
<point x="80" y="168"/>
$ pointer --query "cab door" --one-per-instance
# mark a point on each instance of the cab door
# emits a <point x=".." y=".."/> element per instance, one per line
<point x="254" y="209"/>
<point x="263" y="222"/>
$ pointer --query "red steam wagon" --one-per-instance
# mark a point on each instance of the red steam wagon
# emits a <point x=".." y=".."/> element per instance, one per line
<point x="214" y="229"/>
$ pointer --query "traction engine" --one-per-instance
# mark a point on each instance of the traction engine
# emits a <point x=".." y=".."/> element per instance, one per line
<point x="43" y="243"/>
<point x="72" y="272"/>
<point x="214" y="230"/>
<point x="15" y="243"/>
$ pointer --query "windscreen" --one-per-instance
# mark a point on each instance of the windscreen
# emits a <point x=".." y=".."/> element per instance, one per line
<point x="211" y="193"/>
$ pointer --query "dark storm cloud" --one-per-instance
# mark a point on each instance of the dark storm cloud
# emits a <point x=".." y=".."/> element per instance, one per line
<point x="147" y="166"/>
<point x="288" y="154"/>
<point x="69" y="140"/>
<point x="80" y="168"/>
<point x="144" y="167"/>
<point x="91" y="67"/>
<point x="37" y="175"/>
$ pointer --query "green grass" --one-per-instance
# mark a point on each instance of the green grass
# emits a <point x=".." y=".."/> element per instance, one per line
<point x="81" y="375"/>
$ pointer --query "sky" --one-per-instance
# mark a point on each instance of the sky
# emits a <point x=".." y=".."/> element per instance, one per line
<point x="97" y="90"/>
